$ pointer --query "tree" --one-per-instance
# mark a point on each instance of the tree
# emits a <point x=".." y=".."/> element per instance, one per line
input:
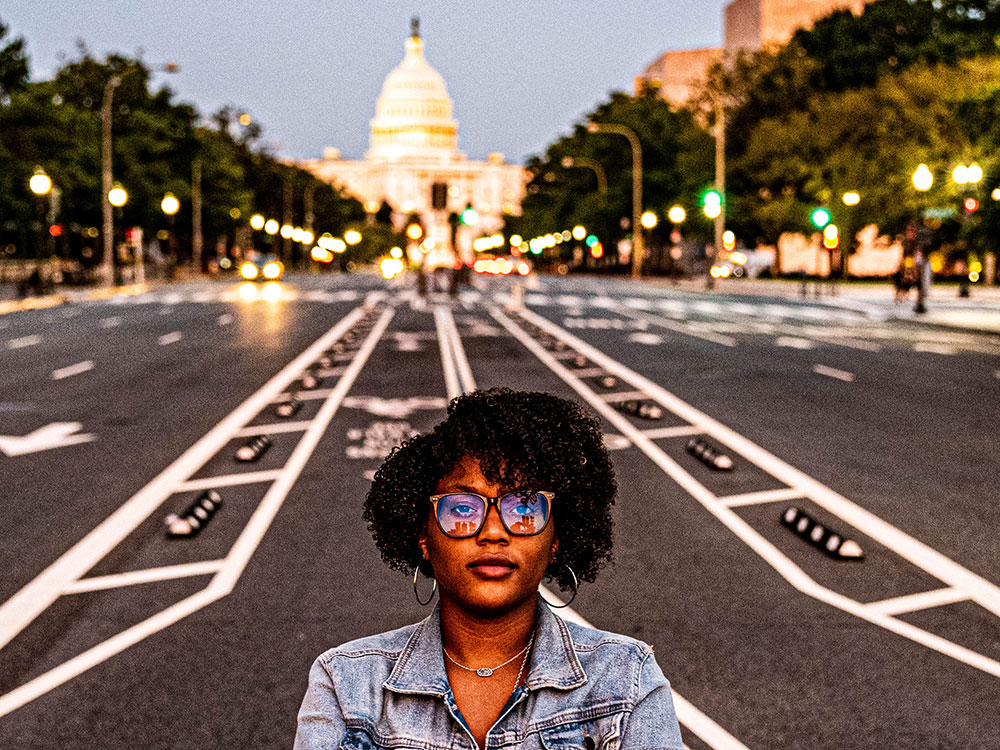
<point x="13" y="63"/>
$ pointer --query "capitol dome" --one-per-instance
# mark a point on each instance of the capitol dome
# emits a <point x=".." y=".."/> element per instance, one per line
<point x="413" y="112"/>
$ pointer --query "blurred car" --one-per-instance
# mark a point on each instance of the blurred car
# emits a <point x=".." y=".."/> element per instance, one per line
<point x="261" y="267"/>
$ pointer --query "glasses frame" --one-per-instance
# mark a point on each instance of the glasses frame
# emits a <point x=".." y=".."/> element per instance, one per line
<point x="490" y="502"/>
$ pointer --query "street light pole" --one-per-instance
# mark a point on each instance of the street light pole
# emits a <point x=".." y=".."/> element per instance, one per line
<point x="638" y="246"/>
<point x="106" y="272"/>
<point x="568" y="162"/>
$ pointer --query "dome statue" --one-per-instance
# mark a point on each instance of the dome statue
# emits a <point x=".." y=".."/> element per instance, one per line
<point x="413" y="113"/>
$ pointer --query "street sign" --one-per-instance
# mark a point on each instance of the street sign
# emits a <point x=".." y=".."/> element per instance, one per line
<point x="939" y="213"/>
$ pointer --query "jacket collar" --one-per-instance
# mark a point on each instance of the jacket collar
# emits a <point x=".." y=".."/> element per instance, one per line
<point x="554" y="664"/>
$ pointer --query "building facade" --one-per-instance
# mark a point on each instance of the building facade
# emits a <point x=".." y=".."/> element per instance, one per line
<point x="414" y="163"/>
<point x="748" y="26"/>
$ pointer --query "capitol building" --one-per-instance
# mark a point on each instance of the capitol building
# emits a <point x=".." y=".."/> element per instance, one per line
<point x="414" y="163"/>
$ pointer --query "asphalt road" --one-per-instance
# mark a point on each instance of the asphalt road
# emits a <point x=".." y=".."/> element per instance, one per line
<point x="112" y="636"/>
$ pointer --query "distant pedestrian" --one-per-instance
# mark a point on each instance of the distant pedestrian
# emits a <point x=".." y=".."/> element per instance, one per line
<point x="511" y="488"/>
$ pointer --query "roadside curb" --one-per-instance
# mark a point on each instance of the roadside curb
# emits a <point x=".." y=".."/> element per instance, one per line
<point x="54" y="300"/>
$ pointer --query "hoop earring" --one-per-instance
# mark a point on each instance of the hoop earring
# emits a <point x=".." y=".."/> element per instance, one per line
<point x="416" y="572"/>
<point x="576" y="585"/>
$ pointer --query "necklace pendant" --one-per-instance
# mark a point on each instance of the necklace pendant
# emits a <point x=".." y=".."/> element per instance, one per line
<point x="484" y="672"/>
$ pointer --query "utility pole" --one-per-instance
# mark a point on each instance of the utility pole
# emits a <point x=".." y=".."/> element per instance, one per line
<point x="286" y="219"/>
<point x="107" y="268"/>
<point x="196" y="238"/>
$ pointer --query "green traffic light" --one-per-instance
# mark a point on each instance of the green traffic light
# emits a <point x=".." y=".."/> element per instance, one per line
<point x="591" y="240"/>
<point x="820" y="217"/>
<point x="712" y="197"/>
<point x="470" y="216"/>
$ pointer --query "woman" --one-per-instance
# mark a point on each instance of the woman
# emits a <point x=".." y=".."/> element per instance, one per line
<point x="510" y="488"/>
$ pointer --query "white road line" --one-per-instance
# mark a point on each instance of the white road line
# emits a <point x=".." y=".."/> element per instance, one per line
<point x="669" y="432"/>
<point x="707" y="730"/>
<point x="458" y="353"/>
<point x="794" y="342"/>
<point x="670" y="325"/>
<point x="35" y="597"/>
<point x="833" y="372"/>
<point x="71" y="370"/>
<point x="985" y="593"/>
<point x="622" y="396"/>
<point x="225" y="319"/>
<point x="111" y="322"/>
<point x="149" y="575"/>
<point x="24" y="341"/>
<point x="228" y="480"/>
<point x="930" y="348"/>
<point x="166" y="310"/>
<point x="912" y="602"/>
<point x="317" y="394"/>
<point x="764" y="496"/>
<point x="170" y="338"/>
<point x="54" y="579"/>
<point x="273" y="429"/>
<point x="451" y="384"/>
<point x="589" y="372"/>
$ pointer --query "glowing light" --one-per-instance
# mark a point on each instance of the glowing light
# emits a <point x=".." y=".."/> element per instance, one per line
<point x="995" y="195"/>
<point x="971" y="205"/>
<point x="515" y="240"/>
<point x="579" y="232"/>
<point x="523" y="268"/>
<point x="390" y="267"/>
<point x="170" y="205"/>
<point x="245" y="119"/>
<point x="272" y="270"/>
<point x="414" y="232"/>
<point x="677" y="214"/>
<point x="40" y="183"/>
<point x="235" y="213"/>
<point x="287" y="230"/>
<point x="248" y="292"/>
<point x="820" y="217"/>
<point x="851" y="199"/>
<point x="470" y="217"/>
<point x="597" y="250"/>
<point x="713" y="210"/>
<point x="321" y="255"/>
<point x="407" y="206"/>
<point x="831" y="236"/>
<point x="960" y="175"/>
<point x="117" y="196"/>
<point x="973" y="276"/>
<point x="567" y="235"/>
<point x="648" y="220"/>
<point x="271" y="226"/>
<point x="337" y="245"/>
<point x="372" y="207"/>
<point x="728" y="239"/>
<point x="257" y="222"/>
<point x="248" y="271"/>
<point x="974" y="174"/>
<point x="352" y="236"/>
<point x="297" y="234"/>
<point x="307" y="237"/>
<point x="922" y="178"/>
<point x="271" y="292"/>
<point x="396" y="252"/>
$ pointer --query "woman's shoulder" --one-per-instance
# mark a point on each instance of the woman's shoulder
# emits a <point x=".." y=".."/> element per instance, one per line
<point x="386" y="645"/>
<point x="588" y="640"/>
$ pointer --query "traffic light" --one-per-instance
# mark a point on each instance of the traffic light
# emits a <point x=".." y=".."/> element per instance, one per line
<point x="820" y="217"/>
<point x="470" y="216"/>
<point x="591" y="240"/>
<point x="971" y="206"/>
<point x="831" y="237"/>
<point x="712" y="204"/>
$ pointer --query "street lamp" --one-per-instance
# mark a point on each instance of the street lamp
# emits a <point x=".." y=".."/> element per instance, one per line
<point x="40" y="183"/>
<point x="257" y="222"/>
<point x="648" y="220"/>
<point x="638" y="246"/>
<point x="117" y="196"/>
<point x="922" y="178"/>
<point x="922" y="181"/>
<point x="352" y="236"/>
<point x="568" y="162"/>
<point x="851" y="198"/>
<point x="170" y="205"/>
<point x="677" y="214"/>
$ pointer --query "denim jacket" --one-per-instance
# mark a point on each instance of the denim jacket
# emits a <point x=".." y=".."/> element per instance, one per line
<point x="585" y="689"/>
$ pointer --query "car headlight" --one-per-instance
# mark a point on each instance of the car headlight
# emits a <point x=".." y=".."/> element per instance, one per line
<point x="248" y="271"/>
<point x="272" y="270"/>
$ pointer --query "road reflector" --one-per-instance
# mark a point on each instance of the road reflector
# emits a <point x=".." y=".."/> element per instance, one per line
<point x="607" y="382"/>
<point x="809" y="529"/>
<point x="579" y="362"/>
<point x="194" y="519"/>
<point x="310" y="381"/>
<point x="709" y="454"/>
<point x="253" y="449"/>
<point x="288" y="408"/>
<point x="641" y="409"/>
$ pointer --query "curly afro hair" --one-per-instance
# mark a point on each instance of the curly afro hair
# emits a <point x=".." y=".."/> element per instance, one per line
<point x="523" y="441"/>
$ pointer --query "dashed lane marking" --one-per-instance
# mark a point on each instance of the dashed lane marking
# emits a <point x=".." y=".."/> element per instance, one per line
<point x="273" y="429"/>
<point x="111" y="322"/>
<point x="833" y="372"/>
<point x="659" y="433"/>
<point x="24" y="342"/>
<point x="764" y="496"/>
<point x="931" y="348"/>
<point x="71" y="370"/>
<point x="170" y="338"/>
<point x="794" y="342"/>
<point x="612" y="398"/>
<point x="226" y="319"/>
<point x="677" y="327"/>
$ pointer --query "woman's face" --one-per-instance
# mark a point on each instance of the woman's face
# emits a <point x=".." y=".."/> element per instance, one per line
<point x="493" y="572"/>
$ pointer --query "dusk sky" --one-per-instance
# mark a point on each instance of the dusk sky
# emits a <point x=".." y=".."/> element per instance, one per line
<point x="520" y="73"/>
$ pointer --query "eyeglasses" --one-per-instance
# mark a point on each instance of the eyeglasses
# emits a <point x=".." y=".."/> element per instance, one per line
<point x="462" y="514"/>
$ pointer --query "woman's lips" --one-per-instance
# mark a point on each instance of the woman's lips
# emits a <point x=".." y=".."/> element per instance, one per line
<point x="492" y="568"/>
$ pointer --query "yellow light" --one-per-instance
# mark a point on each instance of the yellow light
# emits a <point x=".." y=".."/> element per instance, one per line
<point x="995" y="195"/>
<point x="830" y="232"/>
<point x="297" y="234"/>
<point x="975" y="266"/>
<point x="337" y="245"/>
<point x="307" y="237"/>
<point x="677" y="214"/>
<point x="579" y="232"/>
<point x="318" y="254"/>
<point x="257" y="222"/>
<point x="396" y="252"/>
<point x="960" y="175"/>
<point x="739" y="259"/>
<point x="170" y="205"/>
<point x="851" y="199"/>
<point x="973" y="276"/>
<point x="515" y="240"/>
<point x="496" y="240"/>
<point x="523" y="268"/>
<point x="40" y="183"/>
<point x="729" y="239"/>
<point x="648" y="220"/>
<point x="390" y="267"/>
<point x="713" y="210"/>
<point x="271" y="226"/>
<point x="235" y="213"/>
<point x="974" y="174"/>
<point x="245" y="119"/>
<point x="352" y="236"/>
<point x="117" y="196"/>
<point x="287" y="230"/>
<point x="922" y="178"/>
<point x="371" y="207"/>
<point x="271" y="292"/>
<point x="414" y="232"/>
<point x="248" y="292"/>
<point x="566" y="235"/>
<point x="427" y="244"/>
<point x="272" y="270"/>
<point x="248" y="271"/>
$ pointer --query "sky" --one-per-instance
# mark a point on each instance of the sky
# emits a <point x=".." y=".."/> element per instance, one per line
<point x="520" y="73"/>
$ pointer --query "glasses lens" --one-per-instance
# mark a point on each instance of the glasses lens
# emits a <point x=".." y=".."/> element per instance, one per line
<point x="525" y="514"/>
<point x="460" y="515"/>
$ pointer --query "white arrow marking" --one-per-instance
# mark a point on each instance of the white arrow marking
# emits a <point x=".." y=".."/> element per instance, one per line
<point x="71" y="370"/>
<point x="55" y="435"/>
<point x="24" y="341"/>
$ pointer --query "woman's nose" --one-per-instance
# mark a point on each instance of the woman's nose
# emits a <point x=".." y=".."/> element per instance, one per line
<point x="493" y="528"/>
